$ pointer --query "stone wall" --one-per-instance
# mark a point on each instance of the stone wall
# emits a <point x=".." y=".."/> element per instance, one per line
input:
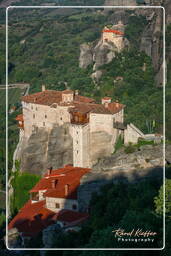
<point x="81" y="145"/>
<point x="63" y="204"/>
<point x="36" y="115"/>
<point x="132" y="134"/>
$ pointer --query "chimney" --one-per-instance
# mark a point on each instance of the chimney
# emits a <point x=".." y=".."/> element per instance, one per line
<point x="106" y="101"/>
<point x="43" y="88"/>
<point x="117" y="103"/>
<point x="66" y="189"/>
<point x="54" y="183"/>
<point x="49" y="170"/>
<point x="76" y="92"/>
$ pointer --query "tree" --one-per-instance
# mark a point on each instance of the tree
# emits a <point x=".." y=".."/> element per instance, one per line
<point x="159" y="199"/>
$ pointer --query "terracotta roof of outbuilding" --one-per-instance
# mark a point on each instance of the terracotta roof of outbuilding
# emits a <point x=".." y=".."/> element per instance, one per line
<point x="34" y="217"/>
<point x="68" y="175"/>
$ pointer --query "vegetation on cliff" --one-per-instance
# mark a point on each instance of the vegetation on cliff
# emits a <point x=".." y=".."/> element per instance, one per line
<point x="21" y="184"/>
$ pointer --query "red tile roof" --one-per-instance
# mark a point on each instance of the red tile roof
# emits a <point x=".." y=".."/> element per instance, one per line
<point x="115" y="107"/>
<point x="68" y="92"/>
<point x="111" y="108"/>
<point x="80" y="104"/>
<point x="113" y="31"/>
<point x="34" y="217"/>
<point x="92" y="107"/>
<point x="68" y="175"/>
<point x="48" y="97"/>
<point x="69" y="216"/>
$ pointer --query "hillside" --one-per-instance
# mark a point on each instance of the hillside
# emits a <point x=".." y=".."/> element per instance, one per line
<point x="45" y="47"/>
<point x="41" y="56"/>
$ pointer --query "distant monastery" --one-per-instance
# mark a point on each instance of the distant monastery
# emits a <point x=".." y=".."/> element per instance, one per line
<point x="93" y="127"/>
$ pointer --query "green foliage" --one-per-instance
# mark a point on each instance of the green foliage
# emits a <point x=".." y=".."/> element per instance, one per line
<point x="119" y="143"/>
<point x="130" y="148"/>
<point x="22" y="183"/>
<point x="137" y="91"/>
<point x="135" y="27"/>
<point x="159" y="199"/>
<point x="122" y="205"/>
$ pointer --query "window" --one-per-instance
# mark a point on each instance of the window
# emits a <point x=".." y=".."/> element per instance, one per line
<point x="36" y="108"/>
<point x="61" y="118"/>
<point x="45" y="116"/>
<point x="77" y="151"/>
<point x="43" y="123"/>
<point x="77" y="132"/>
<point x="57" y="205"/>
<point x="31" y="107"/>
<point x="33" y="115"/>
<point x="77" y="141"/>
<point x="74" y="206"/>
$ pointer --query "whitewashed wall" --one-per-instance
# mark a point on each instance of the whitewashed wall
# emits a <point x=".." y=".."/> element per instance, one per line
<point x="64" y="204"/>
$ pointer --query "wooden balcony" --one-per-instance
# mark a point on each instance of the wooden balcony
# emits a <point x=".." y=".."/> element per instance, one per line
<point x="79" y="118"/>
<point x="85" y="121"/>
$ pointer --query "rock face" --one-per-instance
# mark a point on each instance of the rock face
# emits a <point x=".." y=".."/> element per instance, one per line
<point x="98" y="54"/>
<point x="50" y="234"/>
<point x="144" y="163"/>
<point x="14" y="239"/>
<point x="151" y="42"/>
<point x="86" y="55"/>
<point x="96" y="76"/>
<point x="103" y="54"/>
<point x="47" y="148"/>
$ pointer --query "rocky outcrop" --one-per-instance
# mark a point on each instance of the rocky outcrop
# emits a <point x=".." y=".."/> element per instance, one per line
<point x="47" y="148"/>
<point x="99" y="54"/>
<point x="96" y="76"/>
<point x="145" y="162"/>
<point x="50" y="234"/>
<point x="103" y="54"/>
<point x="14" y="239"/>
<point x="86" y="55"/>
